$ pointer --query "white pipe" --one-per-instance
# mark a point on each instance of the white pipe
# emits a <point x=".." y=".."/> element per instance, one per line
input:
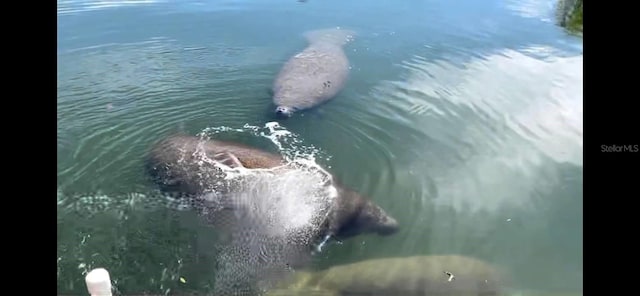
<point x="98" y="282"/>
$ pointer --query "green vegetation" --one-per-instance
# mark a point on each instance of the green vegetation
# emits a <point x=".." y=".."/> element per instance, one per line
<point x="570" y="15"/>
<point x="575" y="19"/>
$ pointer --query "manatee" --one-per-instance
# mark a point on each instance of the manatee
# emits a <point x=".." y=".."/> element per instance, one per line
<point x="314" y="75"/>
<point x="174" y="163"/>
<point x="445" y="275"/>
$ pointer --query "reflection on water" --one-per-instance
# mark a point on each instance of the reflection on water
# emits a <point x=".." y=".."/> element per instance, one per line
<point x="75" y="6"/>
<point x="462" y="119"/>
<point x="507" y="174"/>
<point x="514" y="111"/>
<point x="538" y="9"/>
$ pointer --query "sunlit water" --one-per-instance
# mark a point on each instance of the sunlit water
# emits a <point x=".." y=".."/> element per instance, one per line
<point x="462" y="119"/>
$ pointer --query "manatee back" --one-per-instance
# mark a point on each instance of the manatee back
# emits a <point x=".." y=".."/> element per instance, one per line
<point x="250" y="157"/>
<point x="316" y="74"/>
<point x="185" y="149"/>
<point x="177" y="163"/>
<point x="171" y="163"/>
<point x="334" y="36"/>
<point x="310" y="78"/>
<point x="416" y="275"/>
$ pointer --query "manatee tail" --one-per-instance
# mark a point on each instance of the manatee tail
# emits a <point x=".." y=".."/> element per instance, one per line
<point x="335" y="36"/>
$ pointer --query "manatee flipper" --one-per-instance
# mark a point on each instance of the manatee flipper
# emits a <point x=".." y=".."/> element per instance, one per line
<point x="323" y="243"/>
<point x="228" y="159"/>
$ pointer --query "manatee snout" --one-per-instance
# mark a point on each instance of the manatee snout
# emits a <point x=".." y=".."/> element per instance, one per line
<point x="376" y="220"/>
<point x="366" y="217"/>
<point x="387" y="226"/>
<point x="284" y="111"/>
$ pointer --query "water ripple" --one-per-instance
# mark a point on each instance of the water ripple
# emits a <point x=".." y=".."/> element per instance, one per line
<point x="458" y="117"/>
<point x="126" y="93"/>
<point x="499" y="117"/>
<point x="76" y="6"/>
<point x="538" y="9"/>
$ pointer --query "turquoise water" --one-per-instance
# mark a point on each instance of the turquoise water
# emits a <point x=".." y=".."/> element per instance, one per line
<point x="463" y="119"/>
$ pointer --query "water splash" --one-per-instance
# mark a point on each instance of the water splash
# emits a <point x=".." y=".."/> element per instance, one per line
<point x="298" y="156"/>
<point x="289" y="145"/>
<point x="272" y="199"/>
<point x="275" y="220"/>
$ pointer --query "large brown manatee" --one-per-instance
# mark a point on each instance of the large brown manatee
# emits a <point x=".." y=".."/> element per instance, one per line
<point x="176" y="164"/>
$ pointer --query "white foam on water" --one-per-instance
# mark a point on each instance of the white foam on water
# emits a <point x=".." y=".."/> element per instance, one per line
<point x="280" y="202"/>
<point x="278" y="211"/>
<point x="290" y="146"/>
<point x="274" y="198"/>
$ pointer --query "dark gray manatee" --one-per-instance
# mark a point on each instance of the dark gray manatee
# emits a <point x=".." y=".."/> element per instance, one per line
<point x="175" y="164"/>
<point x="314" y="75"/>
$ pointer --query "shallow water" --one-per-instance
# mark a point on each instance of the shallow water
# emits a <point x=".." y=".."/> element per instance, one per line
<point x="463" y="119"/>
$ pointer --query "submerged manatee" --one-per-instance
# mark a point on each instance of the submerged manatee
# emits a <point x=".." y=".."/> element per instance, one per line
<point x="176" y="163"/>
<point x="314" y="75"/>
<point x="445" y="275"/>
